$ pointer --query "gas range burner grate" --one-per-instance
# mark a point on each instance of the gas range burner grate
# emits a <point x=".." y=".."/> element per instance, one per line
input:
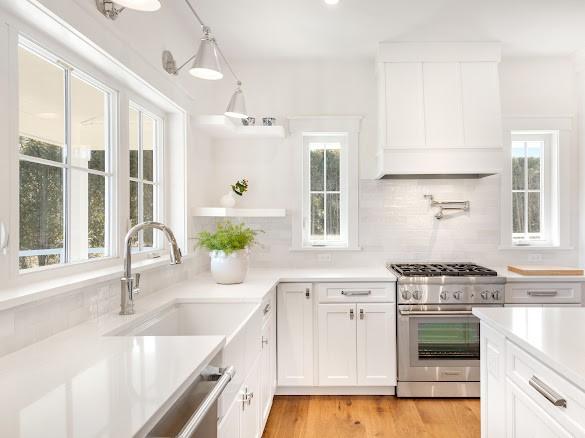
<point x="441" y="269"/>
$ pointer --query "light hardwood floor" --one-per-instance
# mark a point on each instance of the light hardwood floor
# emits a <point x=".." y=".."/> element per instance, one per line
<point x="372" y="416"/>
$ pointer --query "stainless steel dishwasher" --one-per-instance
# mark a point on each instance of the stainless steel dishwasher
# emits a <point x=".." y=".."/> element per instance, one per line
<point x="194" y="414"/>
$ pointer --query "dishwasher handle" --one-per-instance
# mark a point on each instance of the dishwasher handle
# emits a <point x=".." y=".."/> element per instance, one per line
<point x="193" y="423"/>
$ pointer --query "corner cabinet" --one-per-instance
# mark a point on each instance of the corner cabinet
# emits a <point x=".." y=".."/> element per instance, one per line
<point x="295" y="334"/>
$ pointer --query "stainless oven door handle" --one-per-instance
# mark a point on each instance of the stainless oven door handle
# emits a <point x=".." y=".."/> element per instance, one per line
<point x="435" y="312"/>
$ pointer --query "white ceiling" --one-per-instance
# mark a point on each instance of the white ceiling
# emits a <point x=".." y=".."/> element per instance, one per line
<point x="309" y="28"/>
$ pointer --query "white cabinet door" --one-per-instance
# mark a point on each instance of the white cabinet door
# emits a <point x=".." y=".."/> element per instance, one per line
<point x="493" y="383"/>
<point x="482" y="114"/>
<point x="337" y="344"/>
<point x="229" y="426"/>
<point x="267" y="359"/>
<point x="250" y="416"/>
<point x="376" y="344"/>
<point x="443" y="104"/>
<point x="526" y="419"/>
<point x="404" y="100"/>
<point x="295" y="334"/>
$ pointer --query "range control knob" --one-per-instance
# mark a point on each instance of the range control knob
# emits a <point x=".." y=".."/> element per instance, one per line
<point x="457" y="294"/>
<point x="443" y="295"/>
<point x="406" y="294"/>
<point x="417" y="295"/>
<point x="496" y="295"/>
<point x="485" y="295"/>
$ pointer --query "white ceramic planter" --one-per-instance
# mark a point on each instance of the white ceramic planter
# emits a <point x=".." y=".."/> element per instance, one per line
<point x="229" y="268"/>
<point x="228" y="200"/>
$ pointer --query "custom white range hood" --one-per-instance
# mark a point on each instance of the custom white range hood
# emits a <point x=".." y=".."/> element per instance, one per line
<point x="439" y="110"/>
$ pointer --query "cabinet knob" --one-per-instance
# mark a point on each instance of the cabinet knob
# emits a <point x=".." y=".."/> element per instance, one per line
<point x="362" y="316"/>
<point x="351" y="315"/>
<point x="307" y="293"/>
<point x="264" y="341"/>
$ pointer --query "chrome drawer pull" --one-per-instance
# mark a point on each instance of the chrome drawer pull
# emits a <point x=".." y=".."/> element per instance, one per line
<point x="547" y="392"/>
<point x="543" y="293"/>
<point x="350" y="293"/>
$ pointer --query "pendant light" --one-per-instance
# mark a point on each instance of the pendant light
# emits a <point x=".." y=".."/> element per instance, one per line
<point x="237" y="106"/>
<point x="206" y="64"/>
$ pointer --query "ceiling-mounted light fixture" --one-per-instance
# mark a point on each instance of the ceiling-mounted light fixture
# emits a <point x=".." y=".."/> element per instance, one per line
<point x="109" y="8"/>
<point x="207" y="65"/>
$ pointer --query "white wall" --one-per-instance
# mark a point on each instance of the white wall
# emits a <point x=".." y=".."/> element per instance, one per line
<point x="395" y="222"/>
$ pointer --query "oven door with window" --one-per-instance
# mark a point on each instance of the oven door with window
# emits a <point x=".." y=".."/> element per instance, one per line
<point x="438" y="343"/>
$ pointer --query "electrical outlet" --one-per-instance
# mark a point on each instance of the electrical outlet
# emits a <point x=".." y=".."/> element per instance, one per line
<point x="535" y="257"/>
<point x="324" y="258"/>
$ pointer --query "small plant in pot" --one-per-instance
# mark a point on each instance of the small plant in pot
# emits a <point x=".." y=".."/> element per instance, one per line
<point x="229" y="248"/>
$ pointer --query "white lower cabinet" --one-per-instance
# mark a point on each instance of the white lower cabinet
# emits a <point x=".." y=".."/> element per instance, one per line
<point x="268" y="368"/>
<point x="295" y="334"/>
<point x="376" y="344"/>
<point x="518" y="390"/>
<point x="527" y="419"/>
<point x="250" y="417"/>
<point x="337" y="345"/>
<point x="250" y="403"/>
<point x="357" y="344"/>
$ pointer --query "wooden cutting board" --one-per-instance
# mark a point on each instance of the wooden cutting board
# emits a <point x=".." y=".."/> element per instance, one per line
<point x="544" y="270"/>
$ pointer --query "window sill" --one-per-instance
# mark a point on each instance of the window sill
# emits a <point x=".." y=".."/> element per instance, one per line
<point x="23" y="294"/>
<point x="535" y="248"/>
<point x="326" y="249"/>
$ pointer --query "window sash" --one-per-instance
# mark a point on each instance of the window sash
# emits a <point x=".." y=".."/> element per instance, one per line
<point x="325" y="141"/>
<point x="66" y="166"/>
<point x="156" y="177"/>
<point x="526" y="237"/>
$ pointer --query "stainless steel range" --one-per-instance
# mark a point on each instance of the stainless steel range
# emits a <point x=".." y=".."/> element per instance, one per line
<point x="438" y="337"/>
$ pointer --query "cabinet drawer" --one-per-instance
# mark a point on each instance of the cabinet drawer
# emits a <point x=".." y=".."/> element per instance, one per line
<point x="543" y="293"/>
<point x="356" y="292"/>
<point x="522" y="368"/>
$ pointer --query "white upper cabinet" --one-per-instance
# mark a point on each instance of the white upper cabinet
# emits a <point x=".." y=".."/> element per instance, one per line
<point x="405" y="122"/>
<point x="482" y="120"/>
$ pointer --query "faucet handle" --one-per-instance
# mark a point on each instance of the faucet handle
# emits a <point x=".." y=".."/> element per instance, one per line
<point x="136" y="288"/>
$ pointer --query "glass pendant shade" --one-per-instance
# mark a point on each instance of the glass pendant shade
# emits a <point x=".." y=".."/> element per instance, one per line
<point x="140" y="5"/>
<point x="206" y="64"/>
<point x="237" y="106"/>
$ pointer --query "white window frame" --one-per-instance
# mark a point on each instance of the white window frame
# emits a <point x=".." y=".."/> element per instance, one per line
<point x="547" y="176"/>
<point x="309" y="141"/>
<point x="109" y="172"/>
<point x="158" y="177"/>
<point x="302" y="128"/>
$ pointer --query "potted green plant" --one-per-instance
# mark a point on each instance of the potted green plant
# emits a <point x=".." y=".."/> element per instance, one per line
<point x="229" y="248"/>
<point x="238" y="188"/>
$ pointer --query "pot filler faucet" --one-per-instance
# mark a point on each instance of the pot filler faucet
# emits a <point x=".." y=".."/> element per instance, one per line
<point x="130" y="284"/>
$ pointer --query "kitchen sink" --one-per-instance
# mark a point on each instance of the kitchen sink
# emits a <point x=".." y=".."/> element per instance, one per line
<point x="191" y="319"/>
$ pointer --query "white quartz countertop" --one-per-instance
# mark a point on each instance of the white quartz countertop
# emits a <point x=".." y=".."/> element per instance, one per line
<point x="553" y="335"/>
<point x="80" y="383"/>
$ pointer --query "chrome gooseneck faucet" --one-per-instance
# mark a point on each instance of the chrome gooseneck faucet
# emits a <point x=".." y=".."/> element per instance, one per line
<point x="130" y="285"/>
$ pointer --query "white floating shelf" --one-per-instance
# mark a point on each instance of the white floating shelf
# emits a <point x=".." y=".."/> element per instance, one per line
<point x="217" y="126"/>
<point x="239" y="212"/>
